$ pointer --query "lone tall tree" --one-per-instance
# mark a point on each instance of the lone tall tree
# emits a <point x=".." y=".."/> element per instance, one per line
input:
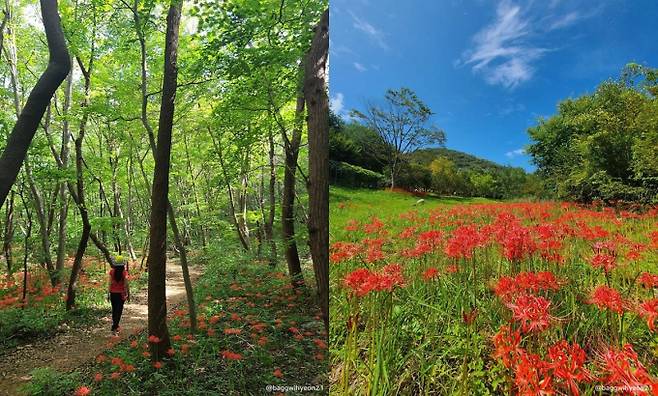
<point x="157" y="258"/>
<point x="59" y="65"/>
<point x="402" y="125"/>
<point x="317" y="103"/>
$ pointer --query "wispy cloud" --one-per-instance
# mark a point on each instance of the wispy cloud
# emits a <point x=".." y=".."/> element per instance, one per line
<point x="515" y="153"/>
<point x="360" y="67"/>
<point x="372" y="32"/>
<point x="336" y="103"/>
<point x="505" y="52"/>
<point x="566" y="20"/>
<point x="511" y="108"/>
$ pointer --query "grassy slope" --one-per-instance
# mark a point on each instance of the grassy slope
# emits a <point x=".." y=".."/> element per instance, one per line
<point x="361" y="204"/>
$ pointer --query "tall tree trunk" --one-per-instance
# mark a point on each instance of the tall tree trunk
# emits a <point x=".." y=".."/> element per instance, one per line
<point x="157" y="259"/>
<point x="269" y="222"/>
<point x="147" y="125"/>
<point x="288" y="199"/>
<point x="315" y="92"/>
<point x="63" y="198"/>
<point x="26" y="126"/>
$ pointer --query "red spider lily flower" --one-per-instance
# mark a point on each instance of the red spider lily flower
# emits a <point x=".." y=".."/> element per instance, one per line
<point x="232" y="331"/>
<point x="463" y="241"/>
<point x="517" y="243"/>
<point x="294" y="330"/>
<point x="507" y="344"/>
<point x="146" y="354"/>
<point x="117" y="361"/>
<point x="531" y="377"/>
<point x="567" y="362"/>
<point x="622" y="368"/>
<point x="115" y="375"/>
<point x="98" y="377"/>
<point x="133" y="344"/>
<point x="452" y="268"/>
<point x="352" y="225"/>
<point x="648" y="280"/>
<point x="211" y="332"/>
<point x="101" y="358"/>
<point x="606" y="297"/>
<point x="430" y="273"/>
<point x="128" y="368"/>
<point x="171" y="352"/>
<point x="391" y="276"/>
<point x="374" y="226"/>
<point x="185" y="348"/>
<point x="605" y="261"/>
<point x="532" y="312"/>
<point x="407" y="232"/>
<point x="262" y="341"/>
<point x="277" y="373"/>
<point x="157" y="365"/>
<point x="214" y="319"/>
<point x="321" y="344"/>
<point x="177" y="337"/>
<point x="82" y="391"/>
<point x="153" y="339"/>
<point x="507" y="287"/>
<point x="343" y="251"/>
<point x="231" y="355"/>
<point x="649" y="310"/>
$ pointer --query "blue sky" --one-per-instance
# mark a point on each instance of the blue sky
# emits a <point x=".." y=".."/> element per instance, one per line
<point x="487" y="68"/>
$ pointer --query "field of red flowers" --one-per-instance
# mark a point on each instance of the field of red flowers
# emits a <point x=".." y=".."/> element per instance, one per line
<point x="495" y="298"/>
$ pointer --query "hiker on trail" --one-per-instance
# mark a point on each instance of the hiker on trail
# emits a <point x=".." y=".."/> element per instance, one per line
<point x="118" y="291"/>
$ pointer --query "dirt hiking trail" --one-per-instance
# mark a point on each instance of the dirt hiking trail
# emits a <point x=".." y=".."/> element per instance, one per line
<point x="74" y="347"/>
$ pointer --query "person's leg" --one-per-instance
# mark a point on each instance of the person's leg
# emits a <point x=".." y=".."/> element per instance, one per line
<point x="117" y="306"/>
<point x="119" y="309"/>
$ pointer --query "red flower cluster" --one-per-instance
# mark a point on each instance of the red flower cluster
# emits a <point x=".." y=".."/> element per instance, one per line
<point x="362" y="281"/>
<point x="648" y="280"/>
<point x="606" y="297"/>
<point x="463" y="241"/>
<point x="622" y="368"/>
<point x="532" y="312"/>
<point x="649" y="310"/>
<point x="508" y="287"/>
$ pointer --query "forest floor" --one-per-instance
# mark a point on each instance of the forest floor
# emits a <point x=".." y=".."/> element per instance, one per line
<point x="75" y="347"/>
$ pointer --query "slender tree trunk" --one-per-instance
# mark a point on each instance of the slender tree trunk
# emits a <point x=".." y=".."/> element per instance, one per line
<point x="157" y="259"/>
<point x="43" y="223"/>
<point x="315" y="92"/>
<point x="288" y="199"/>
<point x="269" y="223"/>
<point x="26" y="126"/>
<point x="147" y="125"/>
<point x="9" y="232"/>
<point x="243" y="238"/>
<point x="63" y="198"/>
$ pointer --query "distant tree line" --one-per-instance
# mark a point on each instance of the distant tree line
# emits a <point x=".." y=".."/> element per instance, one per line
<point x="391" y="146"/>
<point x="603" y="146"/>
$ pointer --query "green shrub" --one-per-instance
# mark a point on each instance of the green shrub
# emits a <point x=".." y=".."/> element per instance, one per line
<point x="344" y="174"/>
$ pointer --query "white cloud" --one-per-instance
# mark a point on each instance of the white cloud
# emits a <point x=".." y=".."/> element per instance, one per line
<point x="515" y="153"/>
<point x="565" y="20"/>
<point x="336" y="103"/>
<point x="501" y="52"/>
<point x="375" y="34"/>
<point x="360" y="67"/>
<point x="505" y="52"/>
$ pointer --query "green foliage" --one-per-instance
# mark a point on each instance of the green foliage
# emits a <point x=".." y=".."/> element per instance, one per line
<point x="350" y="175"/>
<point x="602" y="146"/>
<point x="47" y="381"/>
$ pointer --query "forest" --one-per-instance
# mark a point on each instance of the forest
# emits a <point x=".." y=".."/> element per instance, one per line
<point x="188" y="141"/>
